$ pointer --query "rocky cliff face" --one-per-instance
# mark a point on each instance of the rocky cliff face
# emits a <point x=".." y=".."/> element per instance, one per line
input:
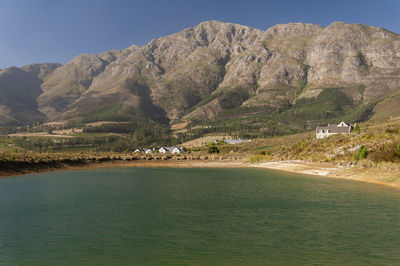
<point x="201" y="71"/>
<point x="343" y="55"/>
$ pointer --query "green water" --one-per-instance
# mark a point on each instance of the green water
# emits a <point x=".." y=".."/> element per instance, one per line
<point x="147" y="216"/>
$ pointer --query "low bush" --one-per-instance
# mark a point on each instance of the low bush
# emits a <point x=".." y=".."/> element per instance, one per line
<point x="362" y="153"/>
<point x="256" y="158"/>
<point x="213" y="149"/>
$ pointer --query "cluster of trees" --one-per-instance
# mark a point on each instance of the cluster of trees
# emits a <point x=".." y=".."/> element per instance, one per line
<point x="147" y="125"/>
<point x="146" y="135"/>
<point x="233" y="98"/>
<point x="127" y="128"/>
<point x="5" y="130"/>
<point x="331" y="106"/>
<point x="48" y="144"/>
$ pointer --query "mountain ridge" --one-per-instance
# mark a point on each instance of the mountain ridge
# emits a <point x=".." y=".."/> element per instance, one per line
<point x="214" y="67"/>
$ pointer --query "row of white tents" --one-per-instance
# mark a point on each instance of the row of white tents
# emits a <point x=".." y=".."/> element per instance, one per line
<point x="163" y="150"/>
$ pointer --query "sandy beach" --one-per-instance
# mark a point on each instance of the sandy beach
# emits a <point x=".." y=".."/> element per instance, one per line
<point x="377" y="176"/>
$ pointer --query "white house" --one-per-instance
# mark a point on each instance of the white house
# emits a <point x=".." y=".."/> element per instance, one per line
<point x="139" y="150"/>
<point x="172" y="150"/>
<point x="148" y="151"/>
<point x="236" y="141"/>
<point x="178" y="150"/>
<point x="341" y="128"/>
<point x="166" y="150"/>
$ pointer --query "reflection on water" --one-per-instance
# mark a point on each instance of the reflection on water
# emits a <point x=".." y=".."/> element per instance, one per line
<point x="195" y="216"/>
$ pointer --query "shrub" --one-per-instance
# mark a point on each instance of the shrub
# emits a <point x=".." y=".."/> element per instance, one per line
<point x="362" y="153"/>
<point x="213" y="149"/>
<point x="357" y="129"/>
<point x="386" y="152"/>
<point x="257" y="158"/>
<point x="361" y="59"/>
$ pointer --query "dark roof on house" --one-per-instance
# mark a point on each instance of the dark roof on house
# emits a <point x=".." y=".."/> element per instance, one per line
<point x="335" y="129"/>
<point x="169" y="149"/>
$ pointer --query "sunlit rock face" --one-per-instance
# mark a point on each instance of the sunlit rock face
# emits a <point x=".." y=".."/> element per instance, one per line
<point x="186" y="73"/>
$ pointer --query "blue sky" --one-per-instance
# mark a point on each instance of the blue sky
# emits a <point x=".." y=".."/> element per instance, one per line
<point x="34" y="31"/>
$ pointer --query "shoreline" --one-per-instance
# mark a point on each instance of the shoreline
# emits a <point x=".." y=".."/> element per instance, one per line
<point x="375" y="176"/>
<point x="57" y="167"/>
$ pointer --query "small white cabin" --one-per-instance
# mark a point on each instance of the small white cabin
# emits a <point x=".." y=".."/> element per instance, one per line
<point x="166" y="150"/>
<point x="178" y="150"/>
<point x="236" y="141"/>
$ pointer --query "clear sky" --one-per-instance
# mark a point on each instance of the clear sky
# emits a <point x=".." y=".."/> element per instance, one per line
<point x="34" y="31"/>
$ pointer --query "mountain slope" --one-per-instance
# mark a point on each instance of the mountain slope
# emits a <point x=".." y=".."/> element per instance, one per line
<point x="216" y="70"/>
<point x="66" y="84"/>
<point x="19" y="89"/>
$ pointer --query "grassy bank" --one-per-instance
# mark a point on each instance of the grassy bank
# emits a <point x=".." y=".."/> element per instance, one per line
<point x="371" y="155"/>
<point x="376" y="146"/>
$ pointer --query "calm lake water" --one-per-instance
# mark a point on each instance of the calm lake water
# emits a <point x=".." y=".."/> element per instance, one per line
<point x="147" y="216"/>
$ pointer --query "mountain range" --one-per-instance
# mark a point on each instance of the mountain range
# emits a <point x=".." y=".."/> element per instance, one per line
<point x="201" y="73"/>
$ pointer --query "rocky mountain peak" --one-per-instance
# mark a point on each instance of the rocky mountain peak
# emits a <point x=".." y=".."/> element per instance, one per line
<point x="229" y="33"/>
<point x="293" y="29"/>
<point x="340" y="30"/>
<point x="41" y="70"/>
<point x="209" y="68"/>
